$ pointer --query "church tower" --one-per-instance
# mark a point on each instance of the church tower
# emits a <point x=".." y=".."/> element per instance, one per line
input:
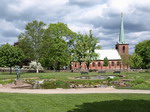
<point x="121" y="46"/>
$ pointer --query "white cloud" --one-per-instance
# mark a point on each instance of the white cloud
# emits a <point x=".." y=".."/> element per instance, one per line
<point x="102" y="16"/>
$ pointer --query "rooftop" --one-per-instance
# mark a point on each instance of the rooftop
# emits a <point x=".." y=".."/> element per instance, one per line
<point x="110" y="54"/>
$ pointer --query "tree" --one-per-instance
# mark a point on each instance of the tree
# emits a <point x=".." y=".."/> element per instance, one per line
<point x="61" y="30"/>
<point x="57" y="45"/>
<point x="31" y="40"/>
<point x="143" y="50"/>
<point x="125" y="59"/>
<point x="56" y="53"/>
<point x="92" y="46"/>
<point x="24" y="44"/>
<point x="33" y="65"/>
<point x="136" y="61"/>
<point x="10" y="56"/>
<point x="84" y="49"/>
<point x="105" y="62"/>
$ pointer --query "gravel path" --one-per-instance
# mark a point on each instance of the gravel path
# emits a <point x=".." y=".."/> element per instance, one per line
<point x="72" y="91"/>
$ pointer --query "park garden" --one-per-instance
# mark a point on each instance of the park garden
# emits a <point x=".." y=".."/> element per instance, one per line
<point x="76" y="102"/>
<point x="54" y="48"/>
<point x="66" y="80"/>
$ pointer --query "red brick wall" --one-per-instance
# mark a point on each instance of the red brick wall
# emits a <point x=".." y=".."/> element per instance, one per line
<point x="123" y="49"/>
<point x="98" y="65"/>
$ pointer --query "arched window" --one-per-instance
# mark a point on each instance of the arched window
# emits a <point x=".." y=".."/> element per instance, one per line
<point x="123" y="49"/>
<point x="112" y="63"/>
<point x="75" y="65"/>
<point x="117" y="47"/>
<point x="93" y="64"/>
<point x="118" y="63"/>
<point x="99" y="64"/>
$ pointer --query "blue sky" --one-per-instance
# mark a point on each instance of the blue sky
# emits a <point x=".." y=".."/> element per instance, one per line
<point x="101" y="16"/>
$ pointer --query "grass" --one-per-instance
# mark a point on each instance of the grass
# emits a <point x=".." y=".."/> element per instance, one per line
<point x="74" y="103"/>
<point x="140" y="80"/>
<point x="65" y="75"/>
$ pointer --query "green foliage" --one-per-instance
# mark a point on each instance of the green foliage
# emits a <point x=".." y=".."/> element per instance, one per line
<point x="141" y="86"/>
<point x="138" y="81"/>
<point x="8" y="81"/>
<point x="31" y="40"/>
<point x="10" y="56"/>
<point x="105" y="61"/>
<point x="61" y="30"/>
<point x="25" y="44"/>
<point x="54" y="84"/>
<point x="49" y="45"/>
<point x="62" y="43"/>
<point x="136" y="61"/>
<point x="84" y="49"/>
<point x="143" y="50"/>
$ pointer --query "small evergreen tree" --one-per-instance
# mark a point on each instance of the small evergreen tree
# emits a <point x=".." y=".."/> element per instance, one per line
<point x="105" y="61"/>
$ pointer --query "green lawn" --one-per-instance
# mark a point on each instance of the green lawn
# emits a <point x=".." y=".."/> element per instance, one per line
<point x="65" y="75"/>
<point x="140" y="80"/>
<point x="74" y="103"/>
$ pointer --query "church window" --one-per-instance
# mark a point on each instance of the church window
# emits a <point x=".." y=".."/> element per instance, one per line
<point x="112" y="63"/>
<point x="117" y="47"/>
<point x="118" y="63"/>
<point x="123" y="49"/>
<point x="75" y="65"/>
<point x="93" y="64"/>
<point x="99" y="64"/>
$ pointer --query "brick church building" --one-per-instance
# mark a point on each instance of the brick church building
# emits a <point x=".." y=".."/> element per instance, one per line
<point x="114" y="56"/>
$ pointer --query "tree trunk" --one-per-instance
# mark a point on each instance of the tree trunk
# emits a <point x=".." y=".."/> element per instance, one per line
<point x="80" y="65"/>
<point x="88" y="65"/>
<point x="37" y="70"/>
<point x="10" y="70"/>
<point x="58" y="67"/>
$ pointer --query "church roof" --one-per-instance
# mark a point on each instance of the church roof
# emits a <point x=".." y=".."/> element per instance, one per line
<point x="110" y="54"/>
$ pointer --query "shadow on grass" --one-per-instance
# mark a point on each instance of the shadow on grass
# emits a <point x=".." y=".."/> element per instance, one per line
<point x="114" y="106"/>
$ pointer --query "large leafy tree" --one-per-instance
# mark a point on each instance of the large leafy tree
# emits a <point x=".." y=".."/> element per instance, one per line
<point x="10" y="56"/>
<point x="57" y="45"/>
<point x="24" y="44"/>
<point x="55" y="54"/>
<point x="31" y="40"/>
<point x="84" y="50"/>
<point x="143" y="50"/>
<point x="61" y="30"/>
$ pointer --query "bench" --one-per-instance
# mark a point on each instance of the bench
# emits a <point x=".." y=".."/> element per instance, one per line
<point x="84" y="73"/>
<point x="117" y="72"/>
<point x="103" y="71"/>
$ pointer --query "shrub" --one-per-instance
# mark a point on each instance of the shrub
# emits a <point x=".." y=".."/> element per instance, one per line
<point x="138" y="81"/>
<point x="33" y="65"/>
<point x="54" y="84"/>
<point x="141" y="86"/>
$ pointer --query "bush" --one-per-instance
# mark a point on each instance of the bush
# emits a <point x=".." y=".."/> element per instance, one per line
<point x="141" y="86"/>
<point x="138" y="81"/>
<point x="54" y="84"/>
<point x="6" y="81"/>
<point x="33" y="65"/>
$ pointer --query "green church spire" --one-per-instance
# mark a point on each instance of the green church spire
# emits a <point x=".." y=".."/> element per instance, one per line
<point x="121" y="34"/>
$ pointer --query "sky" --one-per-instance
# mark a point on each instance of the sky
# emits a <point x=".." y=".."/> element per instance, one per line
<point x="100" y="16"/>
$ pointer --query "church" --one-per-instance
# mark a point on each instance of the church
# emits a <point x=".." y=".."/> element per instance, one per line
<point x="114" y="57"/>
